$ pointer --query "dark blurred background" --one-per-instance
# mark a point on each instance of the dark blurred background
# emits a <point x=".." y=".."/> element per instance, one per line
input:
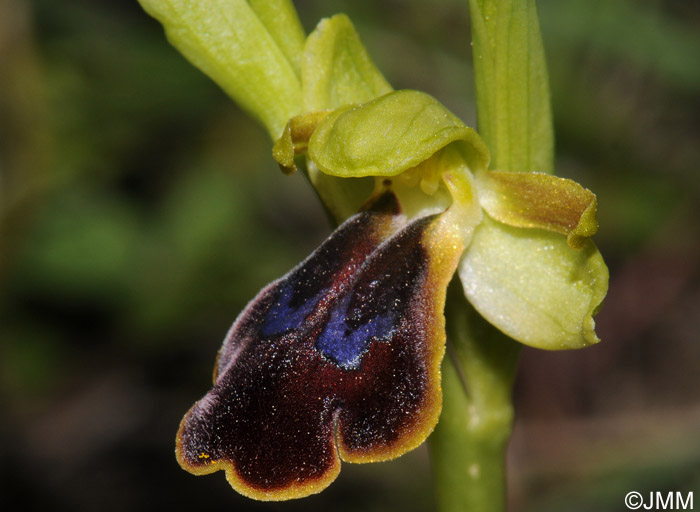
<point x="140" y="210"/>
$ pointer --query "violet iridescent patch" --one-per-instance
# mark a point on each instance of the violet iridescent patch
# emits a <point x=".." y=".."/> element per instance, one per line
<point x="338" y="360"/>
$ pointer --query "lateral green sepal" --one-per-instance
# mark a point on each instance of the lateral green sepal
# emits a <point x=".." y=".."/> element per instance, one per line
<point x="533" y="286"/>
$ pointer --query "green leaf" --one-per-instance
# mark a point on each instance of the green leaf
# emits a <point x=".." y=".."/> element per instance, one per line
<point x="512" y="86"/>
<point x="389" y="135"/>
<point x="233" y="44"/>
<point x="532" y="286"/>
<point x="337" y="69"/>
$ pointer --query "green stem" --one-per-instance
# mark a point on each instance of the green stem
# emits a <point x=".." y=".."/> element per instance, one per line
<point x="469" y="444"/>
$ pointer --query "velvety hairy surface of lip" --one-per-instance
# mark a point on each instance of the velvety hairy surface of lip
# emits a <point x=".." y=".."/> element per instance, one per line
<point x="338" y="360"/>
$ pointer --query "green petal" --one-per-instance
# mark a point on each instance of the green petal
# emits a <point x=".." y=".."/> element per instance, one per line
<point x="390" y="134"/>
<point x="295" y="139"/>
<point x="532" y="286"/>
<point x="538" y="200"/>
<point x="232" y="43"/>
<point x="337" y="69"/>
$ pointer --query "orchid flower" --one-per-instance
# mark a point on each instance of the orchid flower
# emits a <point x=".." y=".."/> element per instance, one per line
<point x="340" y="359"/>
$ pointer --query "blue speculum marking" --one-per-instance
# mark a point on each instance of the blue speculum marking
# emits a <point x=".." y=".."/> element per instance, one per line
<point x="345" y="344"/>
<point x="283" y="316"/>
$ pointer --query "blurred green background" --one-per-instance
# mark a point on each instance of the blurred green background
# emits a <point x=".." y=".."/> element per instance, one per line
<point x="140" y="210"/>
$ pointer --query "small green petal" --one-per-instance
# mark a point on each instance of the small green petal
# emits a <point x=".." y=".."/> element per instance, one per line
<point x="532" y="286"/>
<point x="295" y="139"/>
<point x="230" y="43"/>
<point x="390" y="134"/>
<point x="337" y="69"/>
<point x="538" y="200"/>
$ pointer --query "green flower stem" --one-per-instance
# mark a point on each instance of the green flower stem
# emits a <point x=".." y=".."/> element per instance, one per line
<point x="513" y="109"/>
<point x="469" y="443"/>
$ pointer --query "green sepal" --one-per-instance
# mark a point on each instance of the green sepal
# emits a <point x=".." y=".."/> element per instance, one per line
<point x="336" y="68"/>
<point x="532" y="286"/>
<point x="233" y="43"/>
<point x="282" y="23"/>
<point x="337" y="71"/>
<point x="390" y="134"/>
